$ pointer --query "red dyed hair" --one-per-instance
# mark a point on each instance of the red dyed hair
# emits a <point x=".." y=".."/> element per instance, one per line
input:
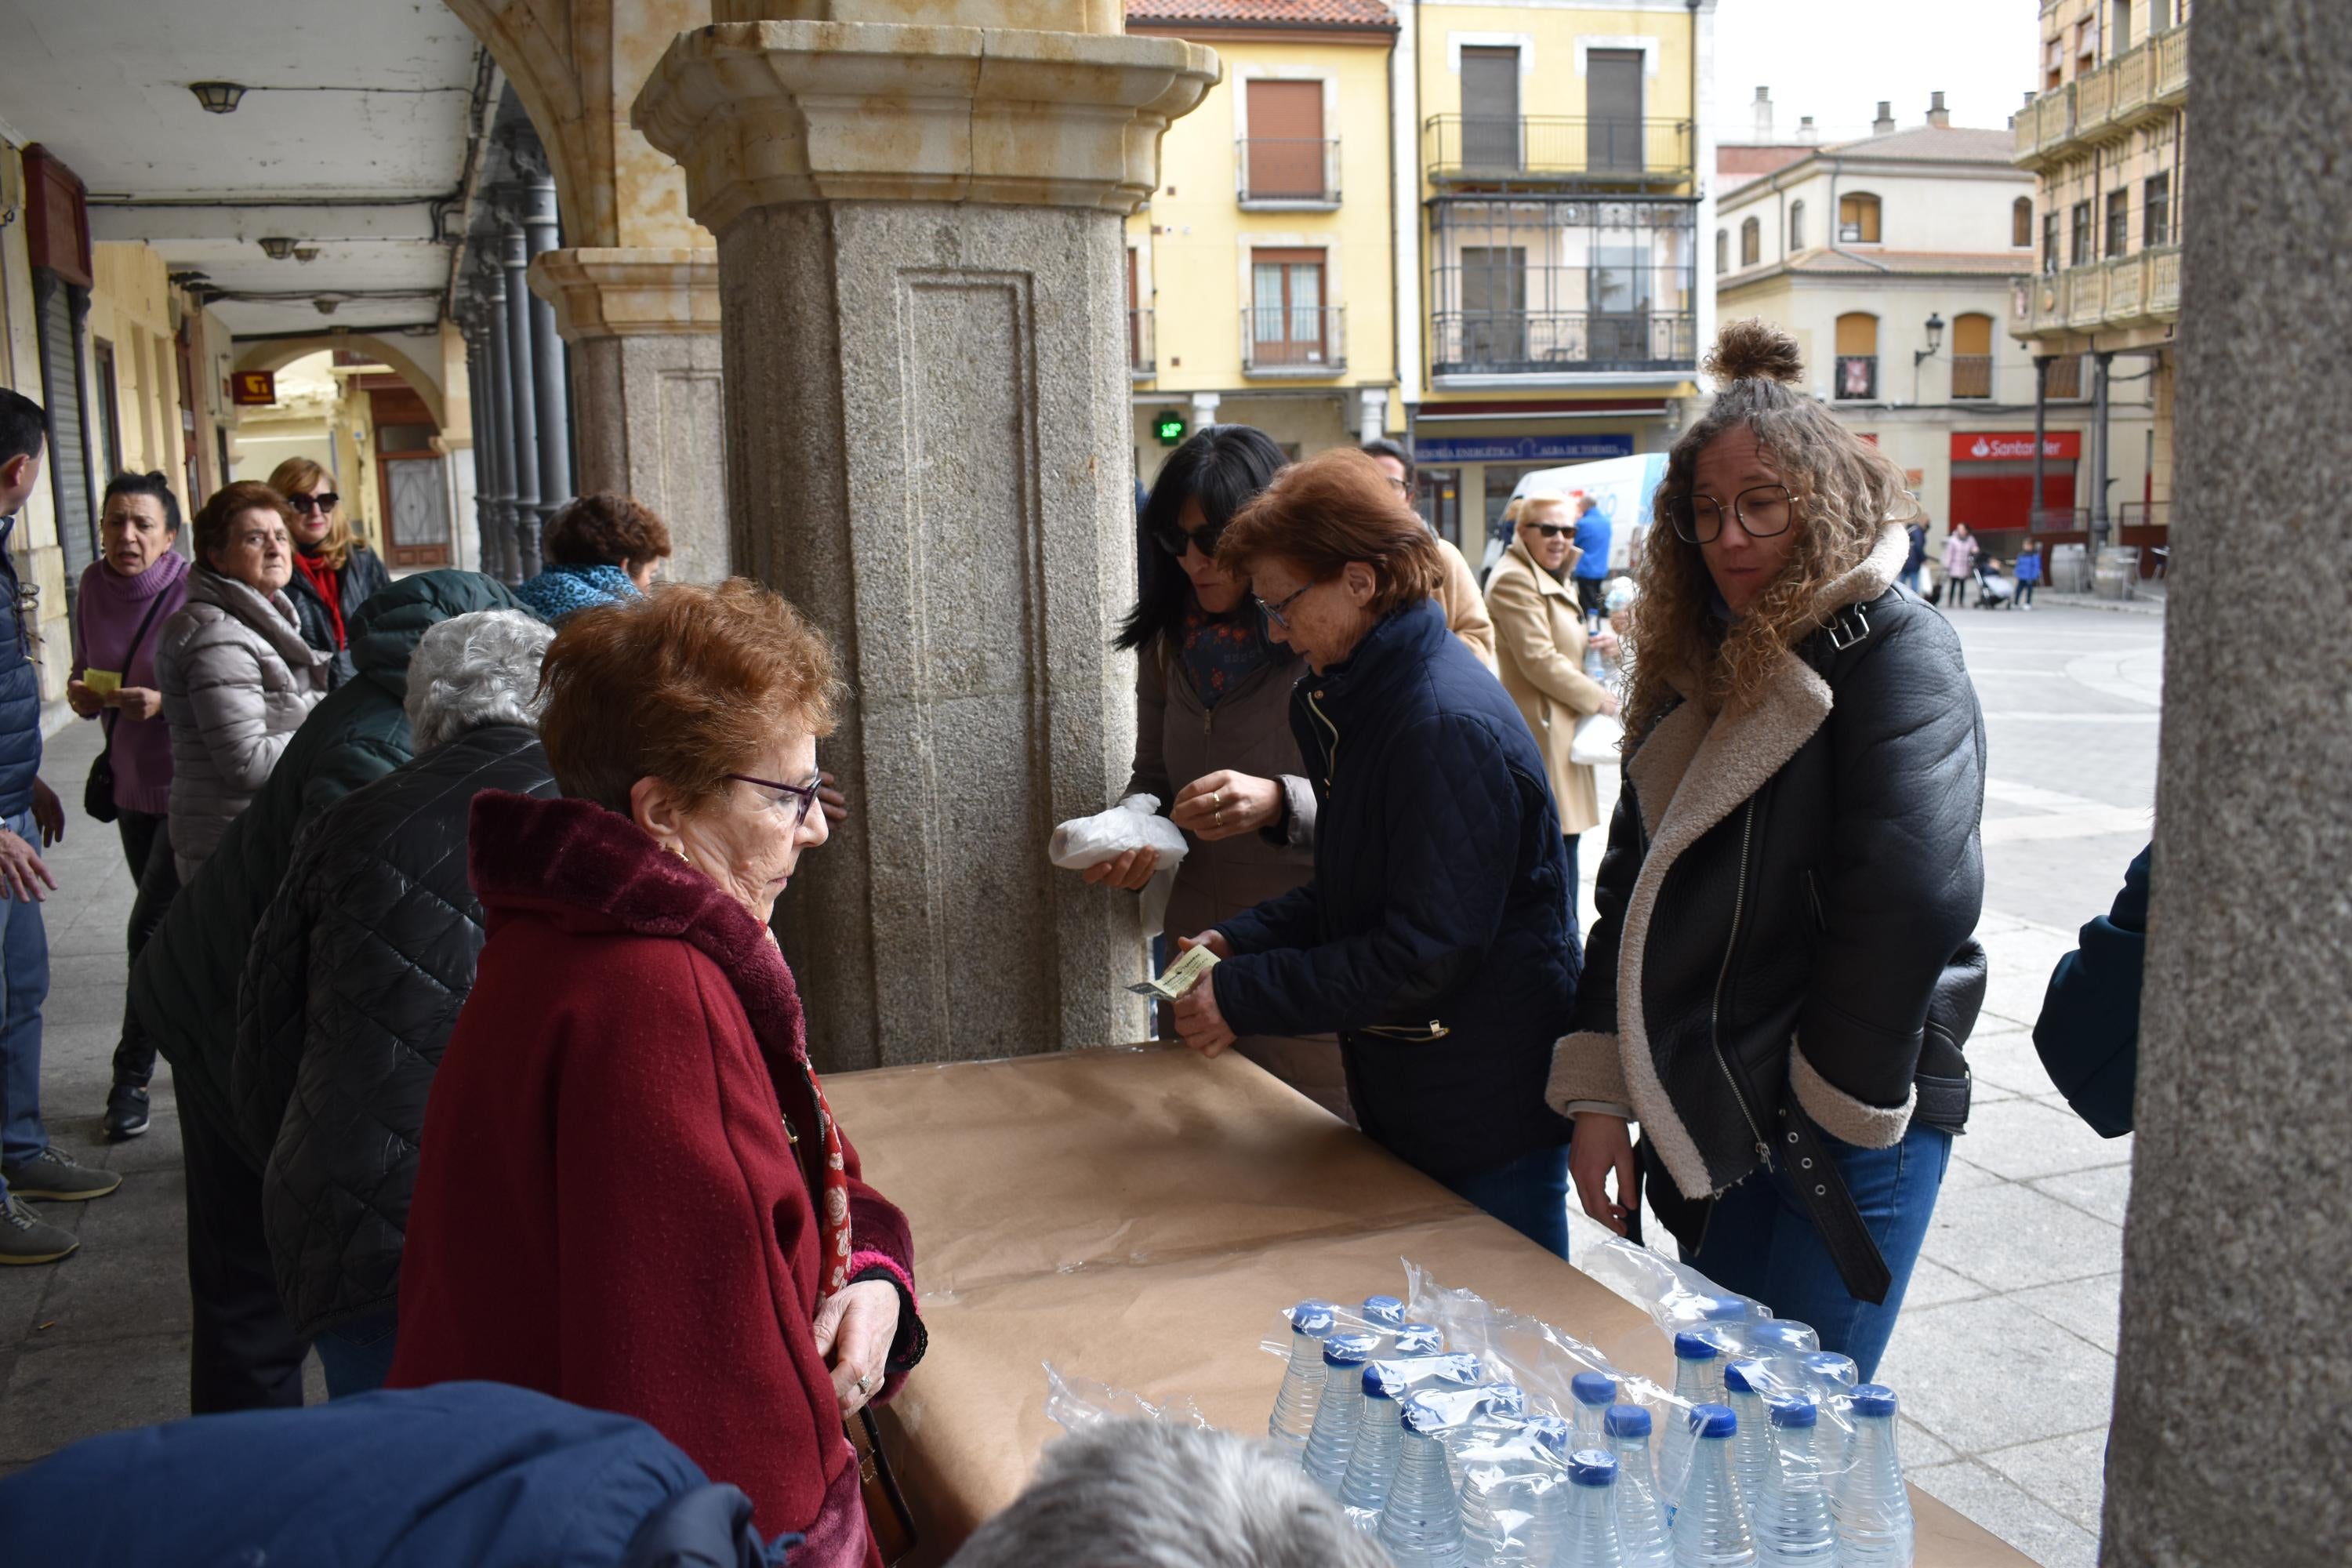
<point x="1335" y="508"/>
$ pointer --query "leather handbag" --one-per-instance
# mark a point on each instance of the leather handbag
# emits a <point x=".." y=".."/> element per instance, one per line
<point x="885" y="1506"/>
<point x="97" y="790"/>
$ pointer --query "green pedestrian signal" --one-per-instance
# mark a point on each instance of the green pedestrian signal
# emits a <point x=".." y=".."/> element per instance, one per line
<point x="1169" y="428"/>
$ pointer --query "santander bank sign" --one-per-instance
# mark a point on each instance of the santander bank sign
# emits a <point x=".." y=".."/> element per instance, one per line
<point x="2013" y="445"/>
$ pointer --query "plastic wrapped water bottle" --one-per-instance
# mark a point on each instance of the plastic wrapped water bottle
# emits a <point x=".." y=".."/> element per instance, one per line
<point x="1588" y="1537"/>
<point x="1419" y="1339"/>
<point x="1371" y="1464"/>
<point x="1694" y="1358"/>
<point x="1710" y="1526"/>
<point x="1829" y="1373"/>
<point x="1725" y="1339"/>
<point x="1594" y="1392"/>
<point x="1510" y="1475"/>
<point x="1640" y="1516"/>
<point x="1793" y="1527"/>
<point x="1302" y="1383"/>
<point x="1385" y="1314"/>
<point x="1872" y="1508"/>
<point x="1471" y="1413"/>
<point x="1421" y="1524"/>
<point x="1780" y="1336"/>
<point x="1333" y="1435"/>
<point x="1744" y="1382"/>
<point x="1830" y="1378"/>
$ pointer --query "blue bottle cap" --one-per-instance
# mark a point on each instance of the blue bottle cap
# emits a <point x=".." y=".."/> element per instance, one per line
<point x="1720" y="1335"/>
<point x="1832" y="1367"/>
<point x="1385" y="1311"/>
<point x="1713" y="1421"/>
<point x="1594" y="1388"/>
<point x="1592" y="1467"/>
<point x="1797" y="1410"/>
<point x="1348" y="1350"/>
<point x="1426" y="1418"/>
<point x="1419" y="1339"/>
<point x="1874" y="1399"/>
<point x="1690" y="1346"/>
<point x="1780" y="1334"/>
<point x="1313" y="1319"/>
<point x="1626" y="1421"/>
<point x="1721" y="1308"/>
<point x="1746" y="1376"/>
<point x="1504" y="1399"/>
<point x="1551" y="1433"/>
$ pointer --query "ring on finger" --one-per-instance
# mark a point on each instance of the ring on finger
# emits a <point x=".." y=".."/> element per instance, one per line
<point x="1220" y="819"/>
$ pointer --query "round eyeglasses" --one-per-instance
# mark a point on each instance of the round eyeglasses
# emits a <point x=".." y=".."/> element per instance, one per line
<point x="1763" y="511"/>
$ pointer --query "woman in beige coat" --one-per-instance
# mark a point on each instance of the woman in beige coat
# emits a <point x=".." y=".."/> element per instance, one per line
<point x="1541" y="641"/>
<point x="236" y="676"/>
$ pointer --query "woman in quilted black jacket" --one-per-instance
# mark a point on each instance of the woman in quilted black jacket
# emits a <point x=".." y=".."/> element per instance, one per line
<point x="354" y="982"/>
<point x="1783" y="970"/>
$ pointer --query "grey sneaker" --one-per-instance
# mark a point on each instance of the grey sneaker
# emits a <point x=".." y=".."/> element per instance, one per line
<point x="25" y="1237"/>
<point x="55" y="1175"/>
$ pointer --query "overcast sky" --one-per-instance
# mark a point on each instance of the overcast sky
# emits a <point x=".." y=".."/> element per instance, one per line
<point x="1834" y="59"/>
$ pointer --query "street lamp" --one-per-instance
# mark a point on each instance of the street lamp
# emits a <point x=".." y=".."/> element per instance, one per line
<point x="217" y="96"/>
<point x="1935" y="340"/>
<point x="277" y="248"/>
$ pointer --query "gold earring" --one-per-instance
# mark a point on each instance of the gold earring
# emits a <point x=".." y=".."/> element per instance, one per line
<point x="679" y="850"/>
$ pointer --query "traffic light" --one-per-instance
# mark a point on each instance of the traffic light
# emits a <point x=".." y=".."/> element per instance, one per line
<point x="1169" y="428"/>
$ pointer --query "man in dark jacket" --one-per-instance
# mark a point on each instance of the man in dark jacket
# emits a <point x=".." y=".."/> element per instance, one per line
<point x="356" y="977"/>
<point x="29" y="812"/>
<point x="243" y="1353"/>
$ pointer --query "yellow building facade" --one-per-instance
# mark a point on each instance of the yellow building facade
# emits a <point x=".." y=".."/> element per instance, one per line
<point x="1262" y="274"/>
<point x="2106" y="138"/>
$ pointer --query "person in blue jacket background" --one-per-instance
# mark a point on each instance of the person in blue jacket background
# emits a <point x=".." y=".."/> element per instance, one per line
<point x="1593" y="532"/>
<point x="2088" y="1034"/>
<point x="1432" y="937"/>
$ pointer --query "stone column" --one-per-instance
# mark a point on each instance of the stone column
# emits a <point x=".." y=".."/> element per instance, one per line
<point x="2230" y="1442"/>
<point x="503" y="562"/>
<point x="924" y="328"/>
<point x="522" y="397"/>
<point x="1204" y="409"/>
<point x="643" y="326"/>
<point x="548" y="380"/>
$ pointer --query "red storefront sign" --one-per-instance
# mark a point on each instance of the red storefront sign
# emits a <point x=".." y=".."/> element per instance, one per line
<point x="2014" y="446"/>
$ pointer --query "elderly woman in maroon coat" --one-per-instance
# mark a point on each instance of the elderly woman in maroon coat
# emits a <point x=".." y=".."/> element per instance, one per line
<point x="631" y="1195"/>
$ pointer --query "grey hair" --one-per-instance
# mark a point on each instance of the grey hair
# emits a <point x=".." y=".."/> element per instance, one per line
<point x="474" y="670"/>
<point x="1145" y="1494"/>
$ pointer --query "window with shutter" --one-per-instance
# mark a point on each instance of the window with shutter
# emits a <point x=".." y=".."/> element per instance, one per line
<point x="1284" y="157"/>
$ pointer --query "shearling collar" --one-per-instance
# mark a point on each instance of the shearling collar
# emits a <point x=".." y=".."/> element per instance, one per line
<point x="1545" y="582"/>
<point x="574" y="856"/>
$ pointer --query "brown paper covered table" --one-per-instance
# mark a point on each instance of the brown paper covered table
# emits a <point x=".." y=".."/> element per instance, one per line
<point x="1138" y="1217"/>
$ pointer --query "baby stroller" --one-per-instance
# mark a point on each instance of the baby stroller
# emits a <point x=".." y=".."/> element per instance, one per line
<point x="1995" y="590"/>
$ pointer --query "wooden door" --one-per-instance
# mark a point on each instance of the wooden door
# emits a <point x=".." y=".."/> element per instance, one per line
<point x="415" y="507"/>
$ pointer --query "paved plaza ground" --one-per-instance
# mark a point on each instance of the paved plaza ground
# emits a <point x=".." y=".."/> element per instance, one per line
<point x="2005" y="1355"/>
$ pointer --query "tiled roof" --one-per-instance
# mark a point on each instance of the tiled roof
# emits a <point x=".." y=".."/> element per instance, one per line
<point x="1943" y="144"/>
<point x="1349" y="13"/>
<point x="1822" y="262"/>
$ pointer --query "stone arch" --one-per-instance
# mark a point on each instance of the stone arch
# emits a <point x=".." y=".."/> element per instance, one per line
<point x="275" y="353"/>
<point x="553" y="51"/>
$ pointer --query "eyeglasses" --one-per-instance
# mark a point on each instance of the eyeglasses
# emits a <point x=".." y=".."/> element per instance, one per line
<point x="1401" y="487"/>
<point x="1763" y="510"/>
<point x="1175" y="540"/>
<point x="325" y="500"/>
<point x="1549" y="530"/>
<point x="1274" y="612"/>
<point x="803" y="792"/>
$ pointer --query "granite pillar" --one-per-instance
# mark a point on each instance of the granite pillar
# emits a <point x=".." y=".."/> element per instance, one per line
<point x="522" y="399"/>
<point x="2231" y="1443"/>
<point x="923" y="320"/>
<point x="643" y="327"/>
<point x="551" y="393"/>
<point x="504" y="563"/>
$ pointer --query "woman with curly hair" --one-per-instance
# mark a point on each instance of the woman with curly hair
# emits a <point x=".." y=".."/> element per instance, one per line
<point x="1783" y="972"/>
<point x="601" y="549"/>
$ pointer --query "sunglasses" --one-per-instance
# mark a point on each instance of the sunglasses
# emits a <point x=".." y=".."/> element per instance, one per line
<point x="325" y="500"/>
<point x="1175" y="540"/>
<point x="1549" y="530"/>
<point x="805" y="794"/>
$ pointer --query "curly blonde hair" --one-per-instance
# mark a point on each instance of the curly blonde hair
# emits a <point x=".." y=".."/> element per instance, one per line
<point x="1846" y="493"/>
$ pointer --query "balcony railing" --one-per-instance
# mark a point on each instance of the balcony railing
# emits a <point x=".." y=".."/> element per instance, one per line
<point x="1555" y="343"/>
<point x="1971" y="375"/>
<point x="1858" y="377"/>
<point x="2171" y="85"/>
<point x="2164" y="283"/>
<point x="1531" y="151"/>
<point x="2135" y="87"/>
<point x="1304" y="341"/>
<point x="2126" y="292"/>
<point x="1141" y="352"/>
<point x="1273" y="172"/>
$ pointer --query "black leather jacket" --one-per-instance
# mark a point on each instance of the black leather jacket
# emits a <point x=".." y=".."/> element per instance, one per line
<point x="1792" y="889"/>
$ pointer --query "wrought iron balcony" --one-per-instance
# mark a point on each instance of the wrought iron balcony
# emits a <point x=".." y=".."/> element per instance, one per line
<point x="1971" y="375"/>
<point x="1296" y="341"/>
<point x="1274" y="173"/>
<point x="1560" y="342"/>
<point x="1858" y="377"/>
<point x="1532" y="151"/>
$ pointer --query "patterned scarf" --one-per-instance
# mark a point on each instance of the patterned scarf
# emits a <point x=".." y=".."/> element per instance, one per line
<point x="1220" y="652"/>
<point x="831" y="1202"/>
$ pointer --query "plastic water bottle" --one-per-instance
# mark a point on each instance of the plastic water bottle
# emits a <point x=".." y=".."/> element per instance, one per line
<point x="1829" y="1373"/>
<point x="1419" y="1339"/>
<point x="1589" y="1539"/>
<point x="1594" y="1392"/>
<point x="1793" y="1527"/>
<point x="1873" y="1511"/>
<point x="1302" y="1383"/>
<point x="1422" y="1524"/>
<point x="1710" y="1526"/>
<point x="1510" y="1481"/>
<point x="1744" y="1382"/>
<point x="1372" y="1462"/>
<point x="1333" y="1437"/>
<point x="1694" y="1357"/>
<point x="1780" y="1336"/>
<point x="1472" y="1414"/>
<point x="1640" y="1516"/>
<point x="1830" y="1378"/>
<point x="1385" y="1314"/>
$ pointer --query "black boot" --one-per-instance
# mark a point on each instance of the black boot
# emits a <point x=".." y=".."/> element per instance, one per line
<point x="126" y="1112"/>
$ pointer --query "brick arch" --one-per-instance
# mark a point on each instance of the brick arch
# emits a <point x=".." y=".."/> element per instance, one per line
<point x="276" y="353"/>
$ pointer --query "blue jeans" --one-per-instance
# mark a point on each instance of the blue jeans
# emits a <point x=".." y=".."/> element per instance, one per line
<point x="23" y="986"/>
<point x="357" y="1355"/>
<point x="1910" y="578"/>
<point x="1530" y="1195"/>
<point x="1760" y="1242"/>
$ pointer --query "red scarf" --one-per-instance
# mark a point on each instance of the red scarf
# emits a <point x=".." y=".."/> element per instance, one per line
<point x="327" y="581"/>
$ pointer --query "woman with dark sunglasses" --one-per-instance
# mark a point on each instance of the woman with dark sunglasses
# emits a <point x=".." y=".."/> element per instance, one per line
<point x="1213" y="737"/>
<point x="334" y="573"/>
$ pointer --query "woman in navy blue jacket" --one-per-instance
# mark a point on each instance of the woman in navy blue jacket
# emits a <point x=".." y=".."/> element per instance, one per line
<point x="1432" y="937"/>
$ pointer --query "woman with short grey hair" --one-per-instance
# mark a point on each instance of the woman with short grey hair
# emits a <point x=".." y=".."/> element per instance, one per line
<point x="355" y="979"/>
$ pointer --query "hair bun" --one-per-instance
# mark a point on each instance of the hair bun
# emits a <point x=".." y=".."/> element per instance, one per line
<point x="1755" y="349"/>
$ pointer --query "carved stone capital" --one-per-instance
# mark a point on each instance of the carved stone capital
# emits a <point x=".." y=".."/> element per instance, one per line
<point x="617" y="293"/>
<point x="767" y="113"/>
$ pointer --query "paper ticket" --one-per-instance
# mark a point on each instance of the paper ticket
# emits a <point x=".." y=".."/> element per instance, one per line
<point x="1178" y="977"/>
<point x="103" y="682"/>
